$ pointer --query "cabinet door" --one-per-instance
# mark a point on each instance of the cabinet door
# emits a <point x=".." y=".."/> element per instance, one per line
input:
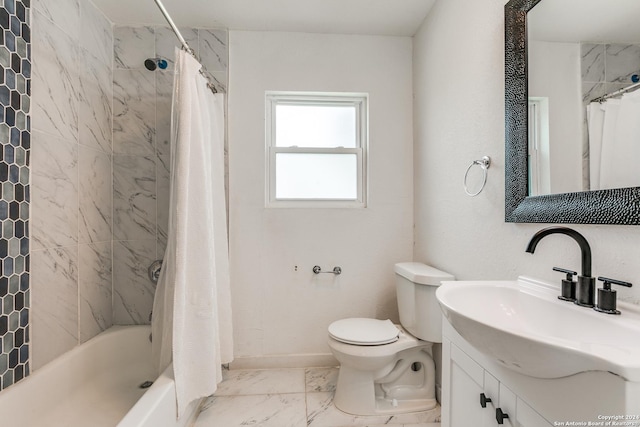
<point x="527" y="417"/>
<point x="507" y="406"/>
<point x="491" y="391"/>
<point x="466" y="385"/>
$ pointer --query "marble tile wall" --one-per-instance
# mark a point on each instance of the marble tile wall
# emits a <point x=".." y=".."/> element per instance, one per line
<point x="141" y="134"/>
<point x="15" y="141"/>
<point x="607" y="67"/>
<point x="71" y="177"/>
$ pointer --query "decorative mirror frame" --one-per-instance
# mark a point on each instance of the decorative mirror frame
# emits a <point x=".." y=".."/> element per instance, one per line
<point x="616" y="206"/>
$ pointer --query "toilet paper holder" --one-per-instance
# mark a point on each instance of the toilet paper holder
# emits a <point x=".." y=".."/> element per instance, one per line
<point x="318" y="270"/>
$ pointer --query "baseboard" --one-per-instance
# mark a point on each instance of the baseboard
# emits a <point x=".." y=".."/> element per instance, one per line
<point x="280" y="361"/>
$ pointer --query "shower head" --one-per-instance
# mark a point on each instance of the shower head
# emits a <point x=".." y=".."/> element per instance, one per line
<point x="152" y="63"/>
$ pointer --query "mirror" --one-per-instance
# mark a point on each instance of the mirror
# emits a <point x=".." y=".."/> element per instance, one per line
<point x="579" y="51"/>
<point x="568" y="198"/>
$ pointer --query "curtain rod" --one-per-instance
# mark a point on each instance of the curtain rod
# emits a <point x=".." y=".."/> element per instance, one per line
<point x="618" y="92"/>
<point x="185" y="45"/>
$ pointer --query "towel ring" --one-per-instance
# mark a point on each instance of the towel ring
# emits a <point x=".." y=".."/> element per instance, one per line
<point x="484" y="163"/>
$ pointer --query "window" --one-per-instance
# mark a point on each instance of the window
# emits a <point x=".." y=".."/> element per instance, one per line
<point x="538" y="159"/>
<point x="316" y="149"/>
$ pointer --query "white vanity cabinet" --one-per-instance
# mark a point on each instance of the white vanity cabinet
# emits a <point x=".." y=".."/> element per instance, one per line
<point x="467" y="385"/>
<point x="527" y="417"/>
<point x="474" y="397"/>
<point x="528" y="401"/>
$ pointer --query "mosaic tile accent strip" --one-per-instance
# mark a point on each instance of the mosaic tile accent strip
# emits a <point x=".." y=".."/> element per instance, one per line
<point x="15" y="141"/>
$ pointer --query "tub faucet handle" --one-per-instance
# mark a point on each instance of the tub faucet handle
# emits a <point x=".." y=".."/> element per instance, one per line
<point x="154" y="271"/>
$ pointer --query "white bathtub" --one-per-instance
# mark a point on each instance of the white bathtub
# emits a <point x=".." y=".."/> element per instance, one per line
<point x="97" y="384"/>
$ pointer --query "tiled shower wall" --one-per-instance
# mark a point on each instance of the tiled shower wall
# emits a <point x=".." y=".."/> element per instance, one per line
<point x="607" y="67"/>
<point x="99" y="174"/>
<point x="141" y="134"/>
<point x="15" y="73"/>
<point x="71" y="204"/>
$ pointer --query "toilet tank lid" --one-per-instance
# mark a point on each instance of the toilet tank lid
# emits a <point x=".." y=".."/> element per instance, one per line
<point x="423" y="274"/>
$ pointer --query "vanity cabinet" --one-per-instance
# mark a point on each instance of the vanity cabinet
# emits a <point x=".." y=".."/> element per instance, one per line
<point x="586" y="398"/>
<point x="474" y="397"/>
<point x="467" y="385"/>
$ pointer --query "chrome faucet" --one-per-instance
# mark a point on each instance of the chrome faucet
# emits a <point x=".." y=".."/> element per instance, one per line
<point x="585" y="290"/>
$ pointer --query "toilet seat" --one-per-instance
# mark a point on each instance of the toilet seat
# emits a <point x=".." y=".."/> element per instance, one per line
<point x="361" y="331"/>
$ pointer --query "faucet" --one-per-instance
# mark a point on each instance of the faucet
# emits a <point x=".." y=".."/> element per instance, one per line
<point x="585" y="290"/>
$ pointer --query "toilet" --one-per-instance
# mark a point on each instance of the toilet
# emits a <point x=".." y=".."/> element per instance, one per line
<point x="387" y="368"/>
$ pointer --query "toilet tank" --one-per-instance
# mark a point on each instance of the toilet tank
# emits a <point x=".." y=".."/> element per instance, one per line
<point x="416" y="285"/>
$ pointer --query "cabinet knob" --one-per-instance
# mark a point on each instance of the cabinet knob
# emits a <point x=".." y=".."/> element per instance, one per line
<point x="483" y="400"/>
<point x="500" y="416"/>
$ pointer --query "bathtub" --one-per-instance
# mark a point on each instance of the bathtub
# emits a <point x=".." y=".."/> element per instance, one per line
<point x="97" y="384"/>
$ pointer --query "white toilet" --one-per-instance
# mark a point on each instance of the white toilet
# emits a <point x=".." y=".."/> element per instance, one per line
<point x="387" y="368"/>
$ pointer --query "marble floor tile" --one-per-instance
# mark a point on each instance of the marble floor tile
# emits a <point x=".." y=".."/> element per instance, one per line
<point x="321" y="379"/>
<point x="291" y="398"/>
<point x="321" y="412"/>
<point x="268" y="410"/>
<point x="398" y="425"/>
<point x="251" y="382"/>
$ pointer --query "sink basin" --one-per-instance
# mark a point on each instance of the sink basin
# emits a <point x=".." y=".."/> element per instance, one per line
<point x="526" y="328"/>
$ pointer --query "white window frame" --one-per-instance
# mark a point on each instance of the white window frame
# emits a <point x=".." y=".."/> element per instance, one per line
<point x="538" y="141"/>
<point x="358" y="100"/>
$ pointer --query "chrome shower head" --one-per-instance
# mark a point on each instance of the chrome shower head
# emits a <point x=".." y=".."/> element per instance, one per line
<point x="152" y="63"/>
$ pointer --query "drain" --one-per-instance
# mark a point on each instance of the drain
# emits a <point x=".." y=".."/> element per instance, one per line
<point x="146" y="384"/>
<point x="416" y="366"/>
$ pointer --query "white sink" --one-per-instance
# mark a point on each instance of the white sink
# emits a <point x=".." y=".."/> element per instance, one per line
<point x="525" y="327"/>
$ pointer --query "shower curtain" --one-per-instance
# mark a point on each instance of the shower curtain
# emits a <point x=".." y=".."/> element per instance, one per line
<point x="595" y="124"/>
<point x="614" y="142"/>
<point x="191" y="323"/>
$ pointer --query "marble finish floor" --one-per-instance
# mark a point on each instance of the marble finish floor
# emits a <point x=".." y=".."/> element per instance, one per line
<point x="291" y="398"/>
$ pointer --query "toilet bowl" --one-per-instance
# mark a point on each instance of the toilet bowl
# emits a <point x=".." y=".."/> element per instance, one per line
<point x="387" y="368"/>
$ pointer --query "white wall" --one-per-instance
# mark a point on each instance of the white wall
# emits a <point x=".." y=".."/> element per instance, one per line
<point x="278" y="310"/>
<point x="554" y="73"/>
<point x="458" y="117"/>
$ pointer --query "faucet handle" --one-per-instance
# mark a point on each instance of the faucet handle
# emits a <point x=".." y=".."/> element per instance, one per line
<point x="569" y="273"/>
<point x="607" y="296"/>
<point x="568" y="285"/>
<point x="608" y="282"/>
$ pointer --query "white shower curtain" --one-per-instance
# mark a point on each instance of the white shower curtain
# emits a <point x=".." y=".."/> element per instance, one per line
<point x="595" y="124"/>
<point x="611" y="109"/>
<point x="192" y="306"/>
<point x="626" y="157"/>
<point x="614" y="142"/>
